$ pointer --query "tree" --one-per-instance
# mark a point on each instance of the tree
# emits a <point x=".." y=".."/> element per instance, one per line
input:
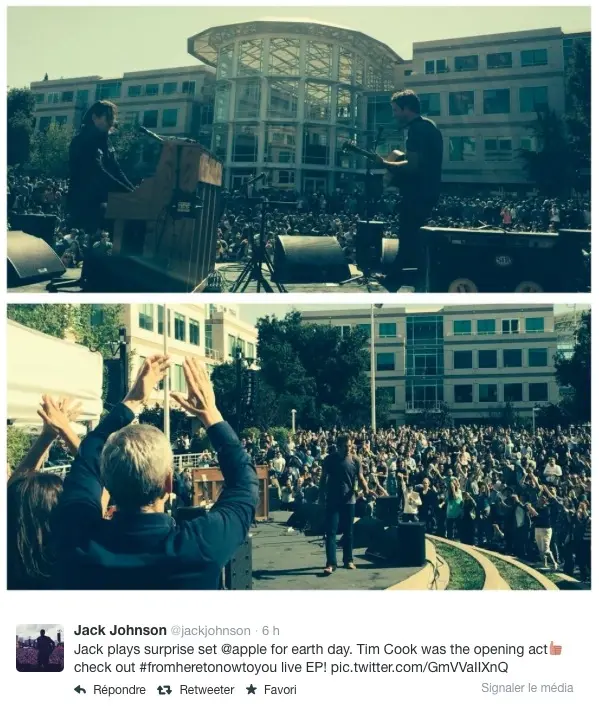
<point x="578" y="105"/>
<point x="130" y="147"/>
<point x="20" y="106"/>
<point x="50" y="151"/>
<point x="574" y="372"/>
<point x="551" y="166"/>
<point x="49" y="318"/>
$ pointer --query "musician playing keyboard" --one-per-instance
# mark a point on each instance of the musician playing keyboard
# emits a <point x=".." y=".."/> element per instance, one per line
<point x="417" y="174"/>
<point x="94" y="169"/>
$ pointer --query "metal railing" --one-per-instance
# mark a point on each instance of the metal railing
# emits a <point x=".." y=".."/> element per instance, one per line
<point x="180" y="461"/>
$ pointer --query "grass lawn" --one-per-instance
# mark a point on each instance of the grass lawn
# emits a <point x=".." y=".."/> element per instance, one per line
<point x="516" y="578"/>
<point x="465" y="573"/>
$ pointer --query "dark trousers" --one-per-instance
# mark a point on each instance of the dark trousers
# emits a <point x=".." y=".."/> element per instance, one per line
<point x="339" y="515"/>
<point x="412" y="252"/>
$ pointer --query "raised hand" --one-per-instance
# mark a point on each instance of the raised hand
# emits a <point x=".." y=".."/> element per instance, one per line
<point x="152" y="371"/>
<point x="200" y="400"/>
<point x="58" y="414"/>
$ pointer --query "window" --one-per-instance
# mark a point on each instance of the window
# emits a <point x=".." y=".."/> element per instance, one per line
<point x="194" y="332"/>
<point x="498" y="149"/>
<point x="189" y="87"/>
<point x="461" y="103"/>
<point x="152" y="90"/>
<point x="533" y="58"/>
<point x="344" y="330"/>
<point x="462" y="327"/>
<point x="284" y="56"/>
<point x="108" y="90"/>
<point x="39" y="98"/>
<point x="429" y="67"/>
<point x="241" y="346"/>
<point x="169" y="117"/>
<point x="487" y="358"/>
<point x="387" y="330"/>
<point x="232" y="345"/>
<point x="247" y="99"/>
<point x="441" y="66"/>
<point x="282" y="98"/>
<point x="485" y="327"/>
<point x="318" y="101"/>
<point x="224" y="68"/>
<point x="535" y="325"/>
<point x="319" y="59"/>
<point x="533" y="99"/>
<point x="512" y="358"/>
<point x="222" y="96"/>
<point x="170" y="87"/>
<point x="462" y="393"/>
<point x="134" y="90"/>
<point x="537" y="357"/>
<point x="496" y="101"/>
<point x="82" y="96"/>
<point x="179" y="327"/>
<point x="151" y="118"/>
<point x="316" y="145"/>
<point x="53" y="97"/>
<point x="146" y="316"/>
<point x="467" y="63"/>
<point x="538" y="392"/>
<point x="208" y="337"/>
<point x="344" y="105"/>
<point x="462" y="359"/>
<point x="528" y="143"/>
<point x="60" y="121"/>
<point x="44" y="123"/>
<point x="364" y="327"/>
<point x="346" y="63"/>
<point x="499" y="60"/>
<point x="160" y="320"/>
<point x="430" y="104"/>
<point x="130" y="119"/>
<point x="178" y="379"/>
<point x="510" y="327"/>
<point x="462" y="149"/>
<point x="389" y="392"/>
<point x="285" y="178"/>
<point x="250" y="57"/>
<point x="512" y="392"/>
<point x="385" y="361"/>
<point x="407" y="73"/>
<point x="251" y="351"/>
<point x="67" y="96"/>
<point x="245" y="143"/>
<point x="487" y="393"/>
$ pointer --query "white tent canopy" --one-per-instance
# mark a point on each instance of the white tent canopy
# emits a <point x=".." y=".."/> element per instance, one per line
<point x="39" y="364"/>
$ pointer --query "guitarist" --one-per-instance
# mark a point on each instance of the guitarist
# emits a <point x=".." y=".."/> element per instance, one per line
<point x="418" y="176"/>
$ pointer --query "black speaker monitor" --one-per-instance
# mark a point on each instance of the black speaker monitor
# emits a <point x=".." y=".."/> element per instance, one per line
<point x="40" y="225"/>
<point x="30" y="260"/>
<point x="309" y="259"/>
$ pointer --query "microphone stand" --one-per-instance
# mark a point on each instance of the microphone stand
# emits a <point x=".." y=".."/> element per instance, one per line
<point x="252" y="270"/>
<point x="366" y="279"/>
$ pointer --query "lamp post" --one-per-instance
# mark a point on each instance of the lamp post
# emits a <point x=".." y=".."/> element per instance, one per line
<point x="293" y="413"/>
<point x="373" y="369"/>
<point x="534" y="416"/>
<point x="166" y="421"/>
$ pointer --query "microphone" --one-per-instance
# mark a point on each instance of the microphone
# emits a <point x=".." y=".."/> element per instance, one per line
<point x="148" y="133"/>
<point x="254" y="179"/>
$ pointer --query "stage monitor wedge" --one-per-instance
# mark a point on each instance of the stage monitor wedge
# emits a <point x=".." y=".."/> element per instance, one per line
<point x="30" y="260"/>
<point x="310" y="259"/>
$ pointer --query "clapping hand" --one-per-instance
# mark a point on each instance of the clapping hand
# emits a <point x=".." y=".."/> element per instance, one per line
<point x="58" y="414"/>
<point x="152" y="371"/>
<point x="200" y="400"/>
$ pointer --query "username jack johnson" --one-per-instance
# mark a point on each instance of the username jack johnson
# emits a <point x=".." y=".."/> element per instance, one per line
<point x="120" y="631"/>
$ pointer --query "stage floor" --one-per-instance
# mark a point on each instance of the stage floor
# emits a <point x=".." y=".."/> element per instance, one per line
<point x="229" y="272"/>
<point x="291" y="561"/>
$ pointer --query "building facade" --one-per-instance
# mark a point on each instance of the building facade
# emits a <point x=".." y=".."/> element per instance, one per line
<point x="175" y="101"/>
<point x="288" y="95"/>
<point x="196" y="330"/>
<point x="475" y="359"/>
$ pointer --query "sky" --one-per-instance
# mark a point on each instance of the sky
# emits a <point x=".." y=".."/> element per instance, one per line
<point x="32" y="630"/>
<point x="83" y="41"/>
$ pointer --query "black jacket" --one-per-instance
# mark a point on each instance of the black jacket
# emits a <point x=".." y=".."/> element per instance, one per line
<point x="149" y="550"/>
<point x="94" y="171"/>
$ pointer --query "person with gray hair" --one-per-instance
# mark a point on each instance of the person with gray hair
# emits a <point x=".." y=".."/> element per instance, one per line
<point x="141" y="547"/>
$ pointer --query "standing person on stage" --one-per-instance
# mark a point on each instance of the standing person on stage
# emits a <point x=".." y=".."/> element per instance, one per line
<point x="341" y="472"/>
<point x="93" y="168"/>
<point x="418" y="177"/>
<point x="45" y="645"/>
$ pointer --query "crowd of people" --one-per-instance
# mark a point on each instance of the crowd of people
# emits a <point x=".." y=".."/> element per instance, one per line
<point x="41" y="654"/>
<point x="317" y="214"/>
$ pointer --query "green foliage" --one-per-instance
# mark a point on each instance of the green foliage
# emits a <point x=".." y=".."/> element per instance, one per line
<point x="578" y="104"/>
<point x="97" y="326"/>
<point x="19" y="100"/>
<point x="224" y="380"/>
<point x="50" y="152"/>
<point x="551" y="416"/>
<point x="18" y="139"/>
<point x="130" y="147"/>
<point x="18" y="444"/>
<point x="252" y="433"/>
<point x="550" y="167"/>
<point x="180" y="422"/>
<point x="49" y="318"/>
<point x="575" y="373"/>
<point x="280" y="435"/>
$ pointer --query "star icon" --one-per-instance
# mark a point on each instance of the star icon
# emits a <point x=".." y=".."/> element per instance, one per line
<point x="251" y="690"/>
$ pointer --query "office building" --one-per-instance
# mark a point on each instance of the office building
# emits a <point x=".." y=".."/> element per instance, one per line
<point x="475" y="359"/>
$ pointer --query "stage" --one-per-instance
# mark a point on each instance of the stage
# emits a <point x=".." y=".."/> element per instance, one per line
<point x="229" y="273"/>
<point x="291" y="561"/>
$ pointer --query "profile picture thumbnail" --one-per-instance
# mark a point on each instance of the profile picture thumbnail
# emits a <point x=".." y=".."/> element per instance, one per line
<point x="40" y="648"/>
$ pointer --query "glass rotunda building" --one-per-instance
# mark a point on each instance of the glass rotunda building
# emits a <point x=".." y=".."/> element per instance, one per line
<point x="288" y="95"/>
